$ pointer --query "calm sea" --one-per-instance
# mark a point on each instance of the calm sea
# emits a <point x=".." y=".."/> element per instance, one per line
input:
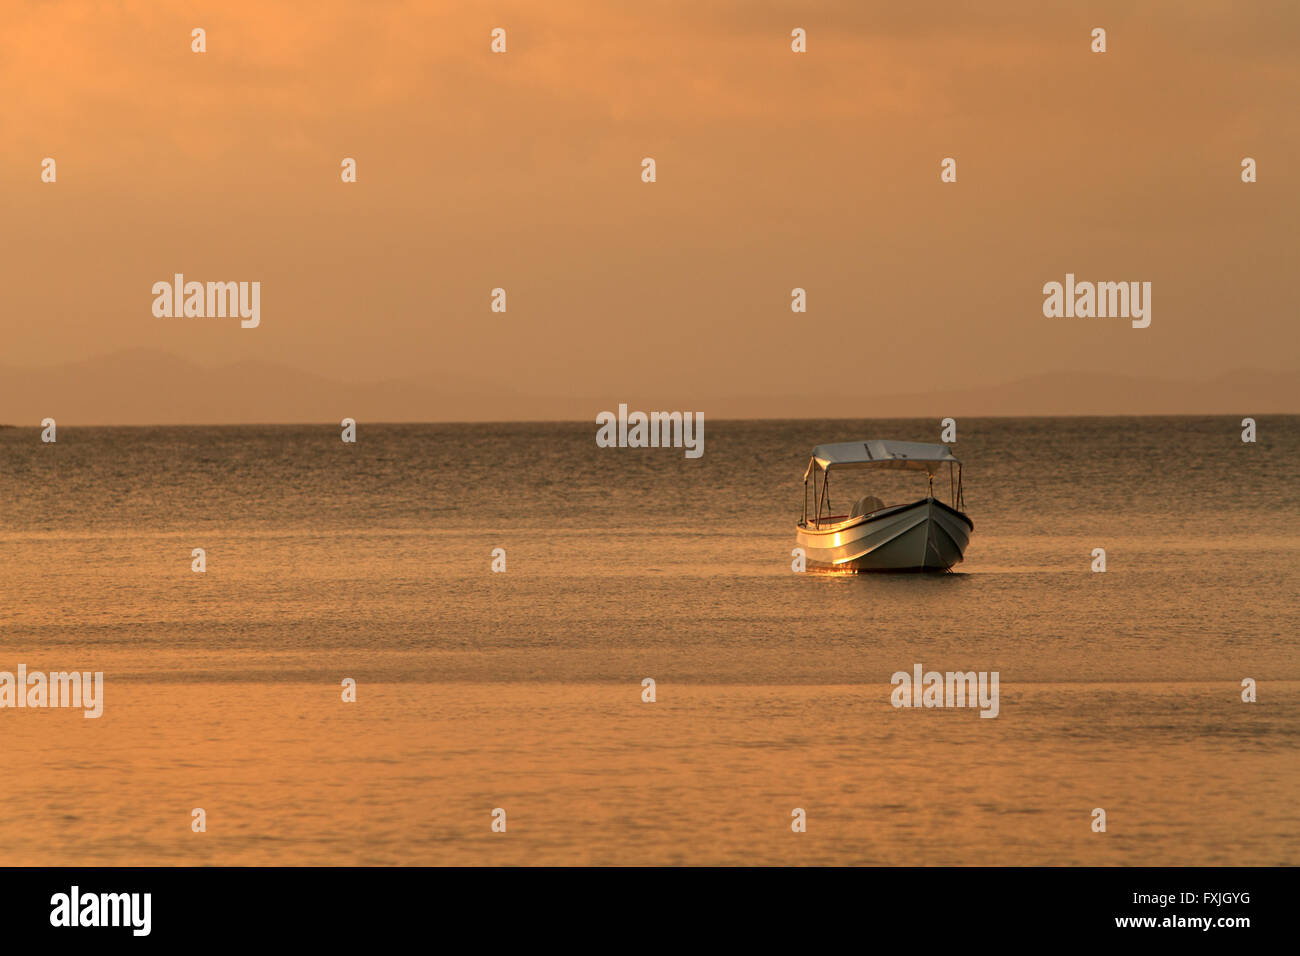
<point x="523" y="690"/>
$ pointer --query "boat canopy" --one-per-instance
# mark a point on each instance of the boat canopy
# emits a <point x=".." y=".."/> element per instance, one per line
<point x="881" y="453"/>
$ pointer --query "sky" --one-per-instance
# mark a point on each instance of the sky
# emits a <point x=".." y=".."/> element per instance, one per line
<point x="775" y="170"/>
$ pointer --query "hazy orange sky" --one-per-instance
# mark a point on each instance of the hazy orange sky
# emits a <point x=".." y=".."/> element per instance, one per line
<point x="775" y="170"/>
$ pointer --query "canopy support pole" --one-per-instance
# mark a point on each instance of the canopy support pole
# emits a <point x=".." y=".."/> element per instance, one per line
<point x="818" y="496"/>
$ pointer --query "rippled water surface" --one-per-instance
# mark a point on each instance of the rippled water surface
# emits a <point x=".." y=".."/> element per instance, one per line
<point x="523" y="690"/>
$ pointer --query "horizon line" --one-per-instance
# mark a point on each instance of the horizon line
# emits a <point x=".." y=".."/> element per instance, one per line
<point x="577" y="421"/>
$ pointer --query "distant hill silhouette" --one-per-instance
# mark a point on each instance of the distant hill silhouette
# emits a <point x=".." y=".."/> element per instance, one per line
<point x="143" y="387"/>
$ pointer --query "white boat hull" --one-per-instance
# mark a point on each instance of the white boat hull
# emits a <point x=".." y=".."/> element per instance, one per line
<point x="926" y="535"/>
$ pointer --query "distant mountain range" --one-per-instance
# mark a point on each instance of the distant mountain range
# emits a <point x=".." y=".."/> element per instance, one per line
<point x="144" y="387"/>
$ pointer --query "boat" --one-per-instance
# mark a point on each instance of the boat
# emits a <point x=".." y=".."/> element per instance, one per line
<point x="922" y="535"/>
